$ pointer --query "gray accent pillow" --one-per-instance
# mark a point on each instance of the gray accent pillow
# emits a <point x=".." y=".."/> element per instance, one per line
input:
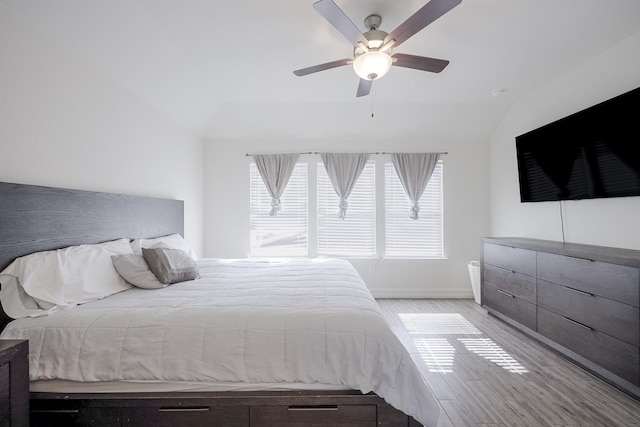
<point x="134" y="269"/>
<point x="170" y="265"/>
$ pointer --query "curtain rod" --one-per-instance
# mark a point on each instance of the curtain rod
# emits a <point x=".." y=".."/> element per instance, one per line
<point x="317" y="152"/>
<point x="413" y="152"/>
<point x="306" y="152"/>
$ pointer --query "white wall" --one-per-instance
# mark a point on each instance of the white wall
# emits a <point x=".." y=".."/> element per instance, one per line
<point x="465" y="197"/>
<point x="63" y="124"/>
<point x="607" y="222"/>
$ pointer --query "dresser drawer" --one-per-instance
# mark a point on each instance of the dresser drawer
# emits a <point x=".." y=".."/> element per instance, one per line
<point x="517" y="284"/>
<point x="611" y="317"/>
<point x="308" y="416"/>
<point x="195" y="416"/>
<point x="617" y="282"/>
<point x="612" y="354"/>
<point x="514" y="259"/>
<point x="511" y="306"/>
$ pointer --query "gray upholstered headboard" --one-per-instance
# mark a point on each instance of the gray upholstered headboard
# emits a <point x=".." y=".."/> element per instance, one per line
<point x="36" y="218"/>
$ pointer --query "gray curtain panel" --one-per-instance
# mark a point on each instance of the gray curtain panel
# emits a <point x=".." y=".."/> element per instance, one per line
<point x="414" y="171"/>
<point x="275" y="170"/>
<point x="343" y="170"/>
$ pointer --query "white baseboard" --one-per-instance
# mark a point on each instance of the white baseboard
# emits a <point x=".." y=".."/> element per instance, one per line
<point x="421" y="293"/>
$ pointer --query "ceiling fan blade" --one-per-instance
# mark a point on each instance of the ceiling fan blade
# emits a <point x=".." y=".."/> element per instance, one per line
<point x="322" y="67"/>
<point x="340" y="21"/>
<point x="364" y="87"/>
<point x="419" y="62"/>
<point x="423" y="17"/>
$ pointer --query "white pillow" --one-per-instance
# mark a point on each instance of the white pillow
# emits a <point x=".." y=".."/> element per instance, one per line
<point x="172" y="241"/>
<point x="63" y="277"/>
<point x="16" y="303"/>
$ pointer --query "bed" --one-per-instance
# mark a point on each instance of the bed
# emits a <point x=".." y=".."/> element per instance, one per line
<point x="247" y="342"/>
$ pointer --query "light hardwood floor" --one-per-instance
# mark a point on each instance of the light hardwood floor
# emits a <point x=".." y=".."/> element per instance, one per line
<point x="485" y="373"/>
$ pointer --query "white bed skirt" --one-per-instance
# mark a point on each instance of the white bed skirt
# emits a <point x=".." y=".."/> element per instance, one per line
<point x="64" y="386"/>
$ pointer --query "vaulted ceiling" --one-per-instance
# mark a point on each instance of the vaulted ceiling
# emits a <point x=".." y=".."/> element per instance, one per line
<point x="225" y="69"/>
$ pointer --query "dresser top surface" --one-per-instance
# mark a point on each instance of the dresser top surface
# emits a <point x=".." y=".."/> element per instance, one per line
<point x="629" y="257"/>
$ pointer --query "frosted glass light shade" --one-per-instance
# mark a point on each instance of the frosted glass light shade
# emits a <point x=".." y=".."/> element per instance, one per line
<point x="372" y="65"/>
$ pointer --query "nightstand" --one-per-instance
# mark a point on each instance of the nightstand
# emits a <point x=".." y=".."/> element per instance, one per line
<point x="14" y="383"/>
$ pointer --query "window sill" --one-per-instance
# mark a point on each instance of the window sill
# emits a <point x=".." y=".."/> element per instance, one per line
<point x="415" y="258"/>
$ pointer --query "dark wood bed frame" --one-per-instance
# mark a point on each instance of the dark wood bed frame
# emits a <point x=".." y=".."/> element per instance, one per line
<point x="38" y="218"/>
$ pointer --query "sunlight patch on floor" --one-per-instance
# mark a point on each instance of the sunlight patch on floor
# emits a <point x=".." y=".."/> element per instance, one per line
<point x="486" y="348"/>
<point x="436" y="353"/>
<point x="437" y="324"/>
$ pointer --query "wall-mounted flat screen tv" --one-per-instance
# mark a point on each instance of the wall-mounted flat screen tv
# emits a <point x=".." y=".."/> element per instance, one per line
<point x="587" y="155"/>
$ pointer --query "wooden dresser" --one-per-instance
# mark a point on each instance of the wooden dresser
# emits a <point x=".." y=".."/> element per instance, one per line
<point x="581" y="300"/>
<point x="14" y="383"/>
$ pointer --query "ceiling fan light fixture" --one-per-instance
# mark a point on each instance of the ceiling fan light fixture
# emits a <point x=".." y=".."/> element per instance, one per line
<point x="372" y="65"/>
<point x="372" y="49"/>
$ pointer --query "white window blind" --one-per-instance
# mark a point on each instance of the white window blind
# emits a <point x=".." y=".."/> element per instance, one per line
<point x="286" y="233"/>
<point x="354" y="236"/>
<point x="410" y="238"/>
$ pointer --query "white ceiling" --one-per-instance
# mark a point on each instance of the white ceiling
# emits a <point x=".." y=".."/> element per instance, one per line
<point x="224" y="69"/>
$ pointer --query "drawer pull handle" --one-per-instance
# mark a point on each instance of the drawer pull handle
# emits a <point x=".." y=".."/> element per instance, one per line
<point x="579" y="291"/>
<point x="55" y="411"/>
<point x="578" y="323"/>
<point x="313" y="408"/>
<point x="580" y="259"/>
<point x="187" y="409"/>
<point x="506" y="270"/>
<point x="506" y="293"/>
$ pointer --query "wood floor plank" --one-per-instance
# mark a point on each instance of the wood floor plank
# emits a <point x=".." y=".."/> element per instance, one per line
<point x="458" y="414"/>
<point x="605" y="395"/>
<point x="474" y="405"/>
<point x="444" y="420"/>
<point x="439" y="386"/>
<point x="483" y="372"/>
<point x="602" y="414"/>
<point x="491" y="402"/>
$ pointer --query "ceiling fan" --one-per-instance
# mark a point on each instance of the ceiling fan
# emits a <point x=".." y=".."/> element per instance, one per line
<point x="372" y="52"/>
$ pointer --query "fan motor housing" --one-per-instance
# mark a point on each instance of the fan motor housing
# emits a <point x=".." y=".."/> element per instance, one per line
<point x="375" y="40"/>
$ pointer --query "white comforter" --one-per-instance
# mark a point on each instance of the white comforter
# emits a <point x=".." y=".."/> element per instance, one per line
<point x="252" y="321"/>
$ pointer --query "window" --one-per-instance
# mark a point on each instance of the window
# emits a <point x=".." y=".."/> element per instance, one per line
<point x="285" y="234"/>
<point x="354" y="236"/>
<point x="410" y="238"/>
<point x="377" y="222"/>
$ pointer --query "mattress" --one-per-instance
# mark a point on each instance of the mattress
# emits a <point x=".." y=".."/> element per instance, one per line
<point x="248" y="322"/>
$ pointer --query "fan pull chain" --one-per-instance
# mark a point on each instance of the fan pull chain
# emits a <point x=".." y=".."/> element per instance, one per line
<point x="372" y="87"/>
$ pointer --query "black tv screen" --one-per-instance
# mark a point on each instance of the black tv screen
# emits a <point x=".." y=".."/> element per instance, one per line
<point x="589" y="154"/>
